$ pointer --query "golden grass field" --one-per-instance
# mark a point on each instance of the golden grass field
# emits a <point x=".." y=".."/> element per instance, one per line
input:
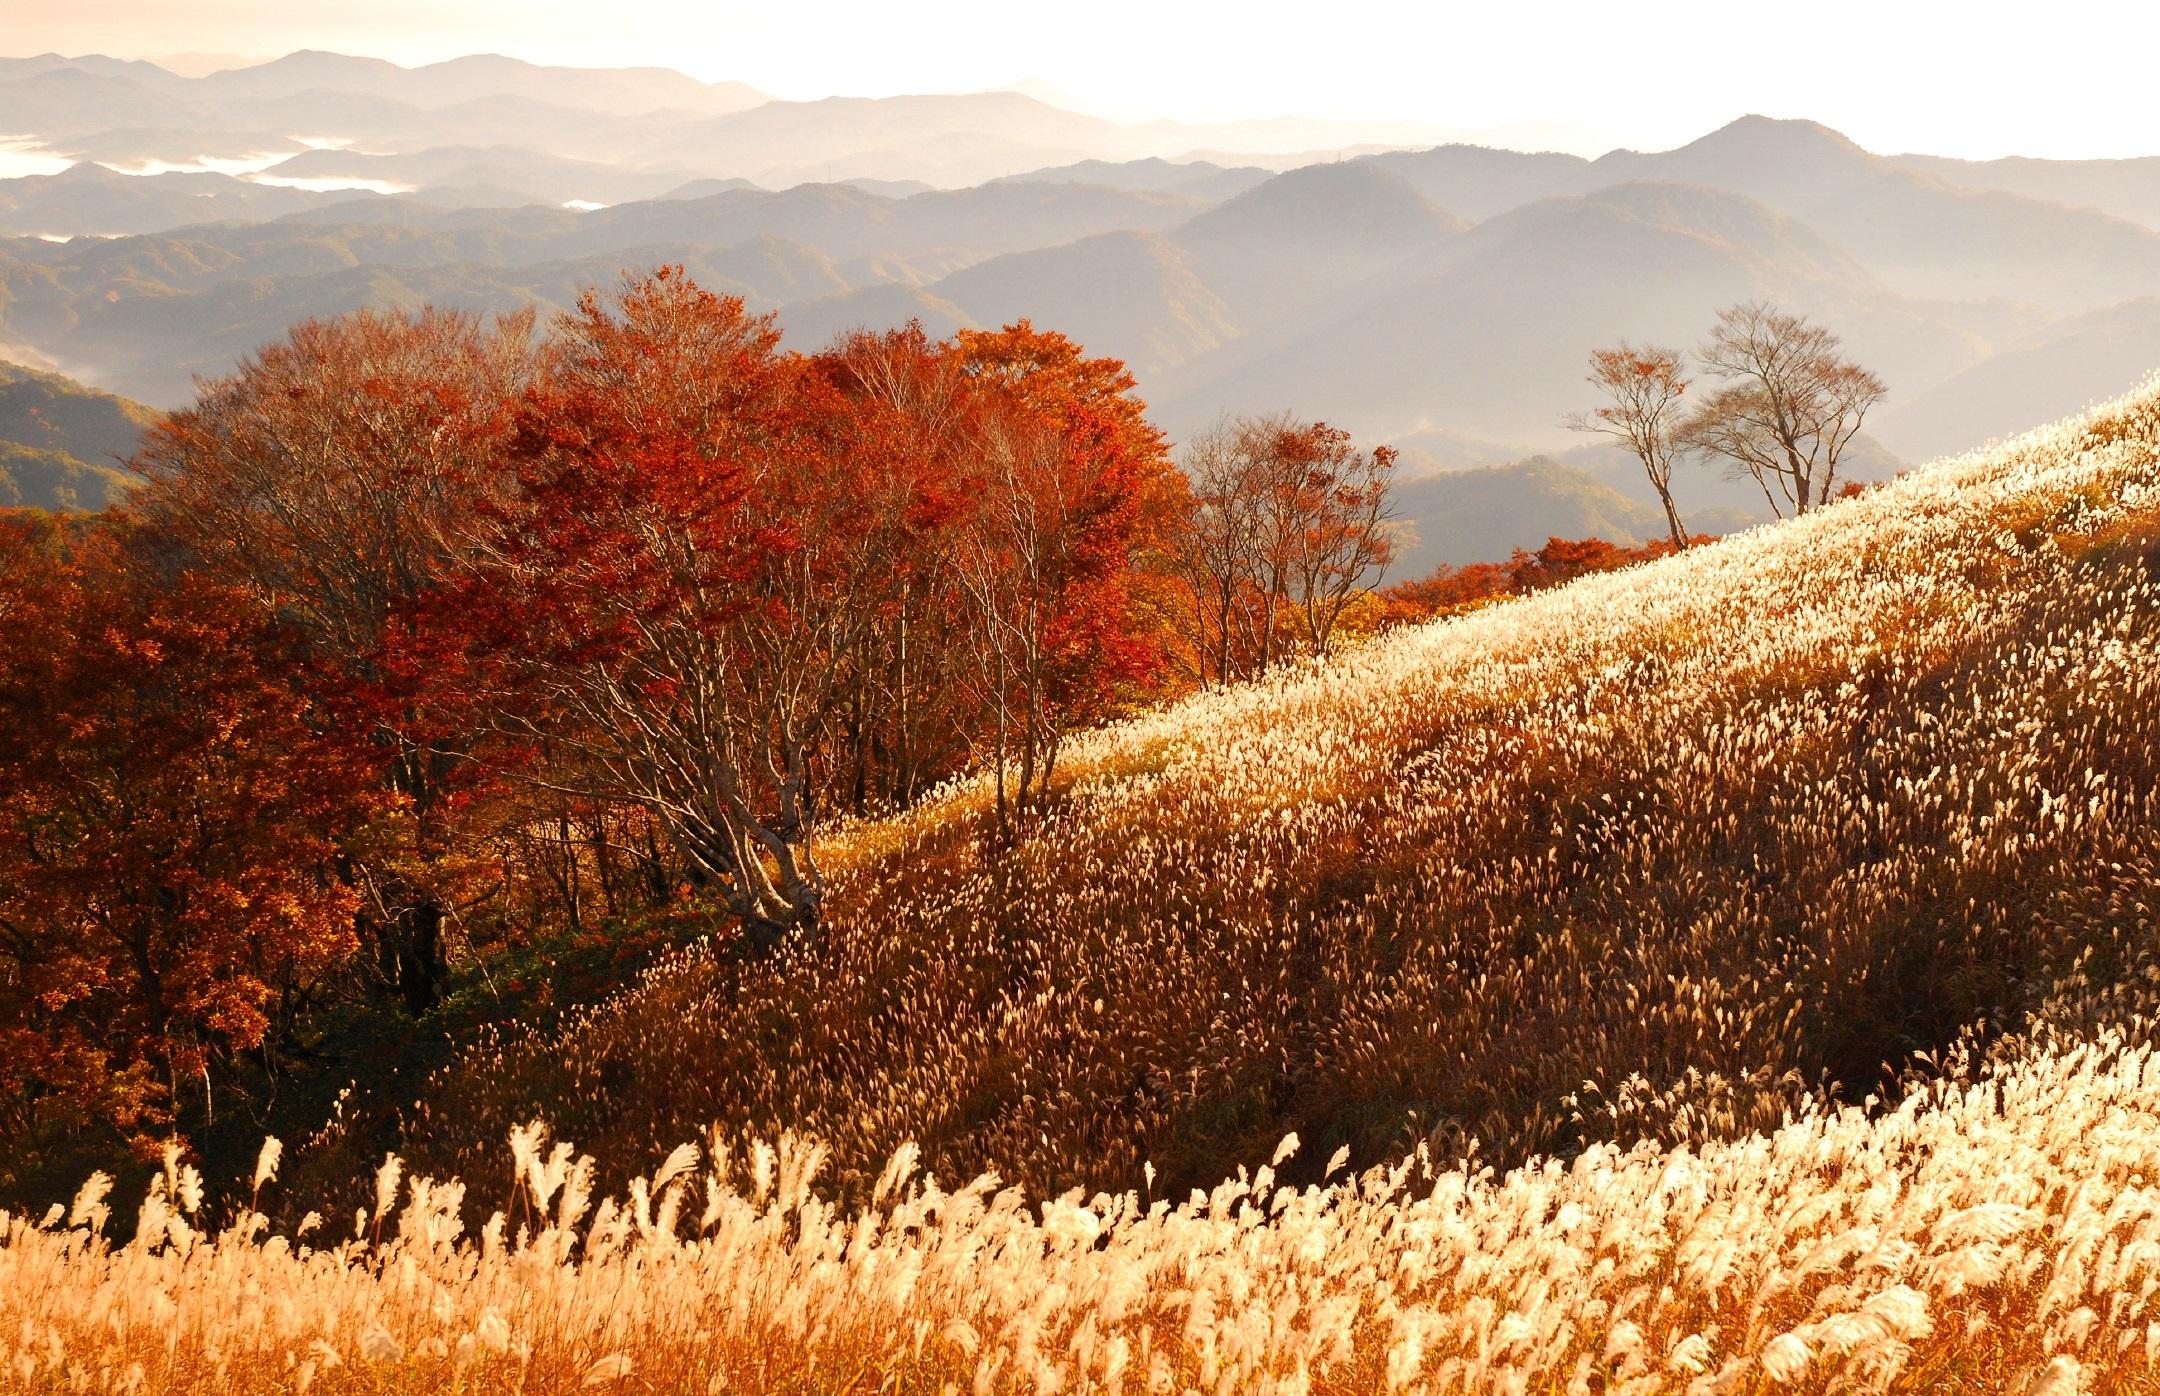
<point x="1735" y="974"/>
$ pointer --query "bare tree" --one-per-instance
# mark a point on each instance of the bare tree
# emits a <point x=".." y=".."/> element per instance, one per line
<point x="1218" y="548"/>
<point x="1290" y="521"/>
<point x="1644" y="391"/>
<point x="1789" y="407"/>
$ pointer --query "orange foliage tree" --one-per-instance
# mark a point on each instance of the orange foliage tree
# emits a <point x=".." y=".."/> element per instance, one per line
<point x="904" y="723"/>
<point x="720" y="573"/>
<point x="673" y="586"/>
<point x="1077" y="496"/>
<point x="1289" y="525"/>
<point x="1645" y="391"/>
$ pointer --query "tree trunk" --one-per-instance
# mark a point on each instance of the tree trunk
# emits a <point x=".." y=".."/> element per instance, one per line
<point x="768" y="933"/>
<point x="1672" y="520"/>
<point x="419" y="967"/>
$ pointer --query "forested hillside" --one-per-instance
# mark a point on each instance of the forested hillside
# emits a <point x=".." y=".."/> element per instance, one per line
<point x="64" y="446"/>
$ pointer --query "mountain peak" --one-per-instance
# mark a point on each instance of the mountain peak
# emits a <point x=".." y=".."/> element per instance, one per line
<point x="326" y="58"/>
<point x="484" y="60"/>
<point x="1790" y="165"/>
<point x="89" y="172"/>
<point x="1760" y="132"/>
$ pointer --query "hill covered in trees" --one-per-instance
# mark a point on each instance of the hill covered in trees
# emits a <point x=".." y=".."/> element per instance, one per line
<point x="62" y="445"/>
<point x="941" y="743"/>
<point x="434" y="652"/>
<point x="1747" y="956"/>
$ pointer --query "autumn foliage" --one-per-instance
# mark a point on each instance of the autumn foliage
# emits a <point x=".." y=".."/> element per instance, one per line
<point x="330" y="482"/>
<point x="1730" y="974"/>
<point x="696" y="595"/>
<point x="1735" y="973"/>
<point x="1288" y="527"/>
<point x="432" y="644"/>
<point x="173" y="810"/>
<point x="1450" y="589"/>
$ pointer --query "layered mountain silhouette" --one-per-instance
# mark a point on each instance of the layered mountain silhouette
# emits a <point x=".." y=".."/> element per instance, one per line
<point x="2053" y="372"/>
<point x="1139" y="292"/>
<point x="2125" y="188"/>
<point x="435" y="85"/>
<point x="636" y="126"/>
<point x="1486" y="333"/>
<point x="1306" y="237"/>
<point x="1442" y="297"/>
<point x="1199" y="179"/>
<point x="1485" y="513"/>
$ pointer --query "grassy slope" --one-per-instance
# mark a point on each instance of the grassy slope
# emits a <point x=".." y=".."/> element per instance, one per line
<point x="1769" y="798"/>
<point x="1770" y="814"/>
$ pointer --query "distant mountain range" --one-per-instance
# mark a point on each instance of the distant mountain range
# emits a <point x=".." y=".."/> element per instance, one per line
<point x="1443" y="298"/>
<point x="487" y="130"/>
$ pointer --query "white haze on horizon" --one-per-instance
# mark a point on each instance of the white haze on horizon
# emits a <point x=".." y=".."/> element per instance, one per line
<point x="1979" y="79"/>
<point x="26" y="155"/>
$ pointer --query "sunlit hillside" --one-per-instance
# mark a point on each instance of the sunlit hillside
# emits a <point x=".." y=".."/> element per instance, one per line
<point x="1730" y="975"/>
<point x="1783" y="812"/>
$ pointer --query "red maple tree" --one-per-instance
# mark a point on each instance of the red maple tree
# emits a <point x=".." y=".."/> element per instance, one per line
<point x="165" y="851"/>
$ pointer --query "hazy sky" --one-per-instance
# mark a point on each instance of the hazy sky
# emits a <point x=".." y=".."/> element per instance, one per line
<point x="1974" y="77"/>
